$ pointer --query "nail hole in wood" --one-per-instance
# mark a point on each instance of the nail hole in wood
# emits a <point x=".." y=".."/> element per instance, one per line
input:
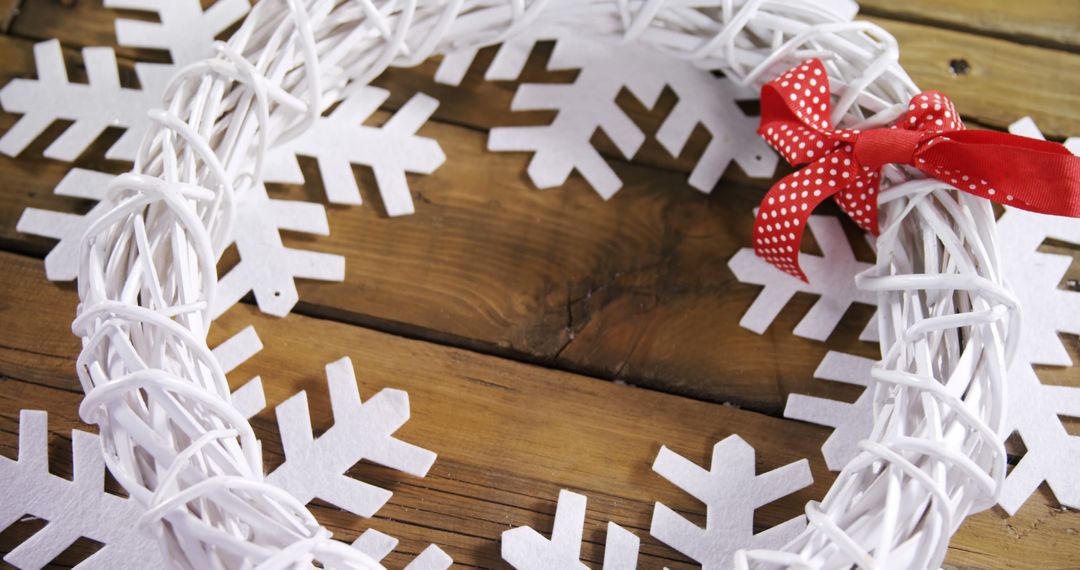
<point x="959" y="66"/>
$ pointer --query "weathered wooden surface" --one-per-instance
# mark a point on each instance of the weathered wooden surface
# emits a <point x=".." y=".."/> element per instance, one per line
<point x="509" y="435"/>
<point x="596" y="288"/>
<point x="631" y="288"/>
<point x="1046" y="22"/>
<point x="8" y="9"/>
<point x="1001" y="86"/>
<point x="636" y="288"/>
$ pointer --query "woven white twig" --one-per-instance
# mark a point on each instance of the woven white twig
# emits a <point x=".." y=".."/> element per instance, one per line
<point x="147" y="273"/>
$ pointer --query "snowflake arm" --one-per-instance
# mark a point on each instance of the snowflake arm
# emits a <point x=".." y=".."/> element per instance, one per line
<point x="852" y="422"/>
<point x="588" y="103"/>
<point x="1034" y="276"/>
<point x="185" y="30"/>
<point x="831" y="276"/>
<point x="267" y="267"/>
<point x="315" y="467"/>
<point x="341" y="139"/>
<point x="77" y="508"/>
<point x="62" y="263"/>
<point x="509" y="61"/>
<point x="378" y="545"/>
<point x="731" y="492"/>
<point x="711" y="101"/>
<point x="250" y="398"/>
<point x="525" y="549"/>
<point x="1053" y="455"/>
<point x="82" y="508"/>
<point x="582" y="107"/>
<point x="101" y="102"/>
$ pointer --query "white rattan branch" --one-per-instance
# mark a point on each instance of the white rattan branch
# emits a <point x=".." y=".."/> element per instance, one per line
<point x="147" y="274"/>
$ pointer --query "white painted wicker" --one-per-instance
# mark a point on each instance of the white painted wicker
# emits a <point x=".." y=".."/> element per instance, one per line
<point x="147" y="274"/>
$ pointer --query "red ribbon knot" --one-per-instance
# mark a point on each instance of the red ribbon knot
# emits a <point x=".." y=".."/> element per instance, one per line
<point x="877" y="147"/>
<point x="1025" y="173"/>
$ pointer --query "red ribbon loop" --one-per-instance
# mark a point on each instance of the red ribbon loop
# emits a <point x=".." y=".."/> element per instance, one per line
<point x="846" y="164"/>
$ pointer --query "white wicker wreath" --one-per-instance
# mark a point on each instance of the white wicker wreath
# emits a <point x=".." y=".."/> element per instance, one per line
<point x="147" y="274"/>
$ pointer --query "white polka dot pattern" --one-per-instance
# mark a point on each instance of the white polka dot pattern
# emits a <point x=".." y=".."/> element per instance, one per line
<point x="796" y="122"/>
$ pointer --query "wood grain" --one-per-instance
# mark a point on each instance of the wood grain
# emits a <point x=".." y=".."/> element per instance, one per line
<point x="1045" y="22"/>
<point x="509" y="435"/>
<point x="1007" y="80"/>
<point x="8" y="10"/>
<point x="632" y="288"/>
<point x="635" y="289"/>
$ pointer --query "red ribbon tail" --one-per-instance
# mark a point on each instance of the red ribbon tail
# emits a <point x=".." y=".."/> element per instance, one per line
<point x="782" y="216"/>
<point x="1039" y="176"/>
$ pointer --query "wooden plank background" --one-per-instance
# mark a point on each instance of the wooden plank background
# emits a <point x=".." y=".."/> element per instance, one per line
<point x="505" y="312"/>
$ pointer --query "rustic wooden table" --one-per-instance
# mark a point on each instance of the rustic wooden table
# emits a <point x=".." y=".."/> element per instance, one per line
<point x="507" y="312"/>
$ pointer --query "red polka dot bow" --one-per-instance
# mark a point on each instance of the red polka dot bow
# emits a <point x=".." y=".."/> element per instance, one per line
<point x="846" y="163"/>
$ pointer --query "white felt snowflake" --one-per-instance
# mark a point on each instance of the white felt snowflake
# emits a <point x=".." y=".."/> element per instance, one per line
<point x="588" y="104"/>
<point x="77" y="508"/>
<point x="62" y="263"/>
<point x="525" y="549"/>
<point x="82" y="507"/>
<point x="1035" y="410"/>
<point x="184" y="28"/>
<point x="187" y="32"/>
<point x="378" y="545"/>
<point x="731" y="492"/>
<point x="830" y="276"/>
<point x="851" y="422"/>
<point x="340" y="140"/>
<point x="315" y="467"/>
<point x="91" y="107"/>
<point x="248" y="399"/>
<point x="266" y="266"/>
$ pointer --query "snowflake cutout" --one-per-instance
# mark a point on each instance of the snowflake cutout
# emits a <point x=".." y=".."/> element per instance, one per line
<point x="852" y="422"/>
<point x="315" y="467"/>
<point x="248" y="399"/>
<point x="731" y="492"/>
<point x="77" y="508"/>
<point x="187" y="32"/>
<point x="525" y="549"/>
<point x="588" y="104"/>
<point x="831" y="277"/>
<point x="62" y="262"/>
<point x="1034" y="409"/>
<point x="340" y="140"/>
<point x="81" y="507"/>
<point x="378" y="545"/>
<point x="92" y="107"/>
<point x="184" y="29"/>
<point x="267" y="267"/>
